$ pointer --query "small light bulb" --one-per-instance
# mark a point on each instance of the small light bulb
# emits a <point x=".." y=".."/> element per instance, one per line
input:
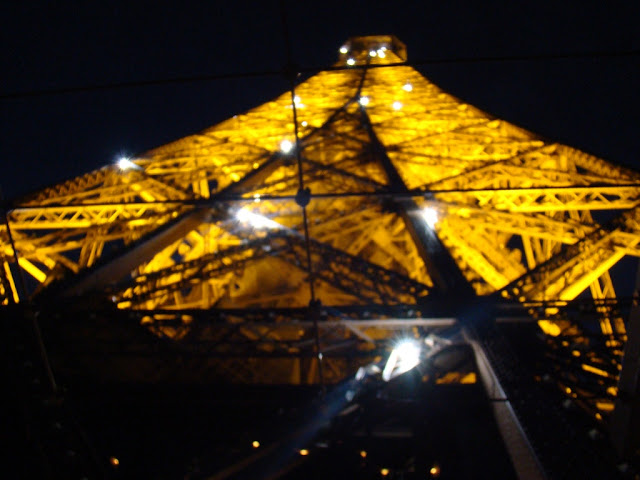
<point x="372" y="53"/>
<point x="363" y="453"/>
<point x="304" y="452"/>
<point x="286" y="146"/>
<point x="364" y="101"/>
<point x="114" y="461"/>
<point x="344" y="49"/>
<point x="384" y="472"/>
<point x="407" y="87"/>
<point x="396" y="105"/>
<point x="351" y="61"/>
<point x="304" y="123"/>
<point x="381" y="54"/>
<point x="255" y="444"/>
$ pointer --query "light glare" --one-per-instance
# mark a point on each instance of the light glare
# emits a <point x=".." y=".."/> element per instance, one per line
<point x="403" y="358"/>
<point x="304" y="452"/>
<point x="430" y="216"/>
<point x="351" y="61"/>
<point x="364" y="101"/>
<point x="373" y="53"/>
<point x="255" y="444"/>
<point x="286" y="146"/>
<point x="396" y="105"/>
<point x="255" y="220"/>
<point x="407" y="87"/>
<point x="125" y="164"/>
<point x="344" y="49"/>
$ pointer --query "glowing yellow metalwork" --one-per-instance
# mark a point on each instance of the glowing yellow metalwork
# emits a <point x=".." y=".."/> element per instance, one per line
<point x="507" y="200"/>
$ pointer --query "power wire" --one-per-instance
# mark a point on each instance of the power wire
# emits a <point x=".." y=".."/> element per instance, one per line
<point x="307" y="70"/>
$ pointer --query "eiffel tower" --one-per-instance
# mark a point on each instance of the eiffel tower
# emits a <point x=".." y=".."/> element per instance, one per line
<point x="298" y="242"/>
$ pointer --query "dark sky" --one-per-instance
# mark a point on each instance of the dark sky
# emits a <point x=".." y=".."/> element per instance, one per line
<point x="590" y="103"/>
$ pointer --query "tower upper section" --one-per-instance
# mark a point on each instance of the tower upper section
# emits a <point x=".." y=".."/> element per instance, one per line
<point x="375" y="49"/>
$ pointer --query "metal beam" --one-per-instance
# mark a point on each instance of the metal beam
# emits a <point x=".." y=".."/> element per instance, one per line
<point x="523" y="457"/>
<point x="119" y="266"/>
<point x="625" y="420"/>
<point x="441" y="267"/>
<point x="106" y="273"/>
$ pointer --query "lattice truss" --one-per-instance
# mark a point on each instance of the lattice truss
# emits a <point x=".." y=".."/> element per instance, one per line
<point x="383" y="151"/>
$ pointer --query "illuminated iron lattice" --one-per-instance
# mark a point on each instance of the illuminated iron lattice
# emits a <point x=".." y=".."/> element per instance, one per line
<point x="203" y="240"/>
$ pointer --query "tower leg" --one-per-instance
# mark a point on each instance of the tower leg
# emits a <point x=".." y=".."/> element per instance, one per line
<point x="524" y="460"/>
<point x="625" y="420"/>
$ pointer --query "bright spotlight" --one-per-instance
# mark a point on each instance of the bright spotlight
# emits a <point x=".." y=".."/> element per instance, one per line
<point x="286" y="146"/>
<point x="404" y="357"/>
<point x="344" y="49"/>
<point x="407" y="87"/>
<point x="351" y="61"/>
<point x="430" y="216"/>
<point x="255" y="220"/>
<point x="297" y="100"/>
<point x="125" y="164"/>
<point x="373" y="53"/>
<point x="364" y="101"/>
<point x="381" y="54"/>
<point x="396" y="105"/>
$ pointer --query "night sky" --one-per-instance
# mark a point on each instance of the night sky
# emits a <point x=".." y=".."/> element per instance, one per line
<point x="589" y="103"/>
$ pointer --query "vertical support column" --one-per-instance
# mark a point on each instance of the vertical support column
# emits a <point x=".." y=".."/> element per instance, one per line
<point x="10" y="285"/>
<point x="625" y="420"/>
